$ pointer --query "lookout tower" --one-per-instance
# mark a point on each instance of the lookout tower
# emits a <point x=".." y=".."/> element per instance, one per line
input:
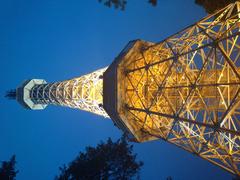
<point x="184" y="90"/>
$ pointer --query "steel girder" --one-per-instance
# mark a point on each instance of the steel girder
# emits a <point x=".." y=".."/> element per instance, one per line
<point x="186" y="89"/>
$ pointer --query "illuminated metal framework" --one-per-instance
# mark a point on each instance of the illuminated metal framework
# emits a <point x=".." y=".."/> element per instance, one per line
<point x="185" y="89"/>
<point x="84" y="93"/>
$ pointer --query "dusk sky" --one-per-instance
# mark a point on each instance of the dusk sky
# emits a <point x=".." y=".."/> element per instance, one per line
<point x="57" y="40"/>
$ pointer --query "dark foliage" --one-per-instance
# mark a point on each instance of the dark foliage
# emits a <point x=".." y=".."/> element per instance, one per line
<point x="121" y="4"/>
<point x="11" y="94"/>
<point x="153" y="2"/>
<point x="118" y="4"/>
<point x="236" y="178"/>
<point x="7" y="171"/>
<point x="109" y="160"/>
<point x="211" y="6"/>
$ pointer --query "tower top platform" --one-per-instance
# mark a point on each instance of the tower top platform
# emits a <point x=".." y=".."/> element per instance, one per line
<point x="23" y="94"/>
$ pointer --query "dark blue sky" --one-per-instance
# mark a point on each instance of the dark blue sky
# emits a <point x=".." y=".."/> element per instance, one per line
<point x="59" y="39"/>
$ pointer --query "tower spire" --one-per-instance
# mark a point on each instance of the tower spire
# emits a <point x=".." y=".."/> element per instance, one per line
<point x="11" y="94"/>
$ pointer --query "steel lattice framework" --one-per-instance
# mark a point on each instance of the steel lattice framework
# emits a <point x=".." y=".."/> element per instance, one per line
<point x="185" y="89"/>
<point x="84" y="93"/>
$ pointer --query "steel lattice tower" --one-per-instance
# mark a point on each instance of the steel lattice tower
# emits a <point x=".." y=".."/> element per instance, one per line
<point x="184" y="90"/>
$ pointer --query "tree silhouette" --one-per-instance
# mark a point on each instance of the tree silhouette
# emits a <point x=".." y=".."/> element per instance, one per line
<point x="236" y="178"/>
<point x="211" y="6"/>
<point x="169" y="178"/>
<point x="109" y="160"/>
<point x="7" y="171"/>
<point x="121" y="4"/>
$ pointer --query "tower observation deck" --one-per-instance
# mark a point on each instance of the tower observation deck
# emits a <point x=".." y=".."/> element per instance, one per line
<point x="184" y="90"/>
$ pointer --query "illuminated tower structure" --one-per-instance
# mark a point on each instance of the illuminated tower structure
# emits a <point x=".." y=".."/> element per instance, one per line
<point x="84" y="93"/>
<point x="184" y="90"/>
